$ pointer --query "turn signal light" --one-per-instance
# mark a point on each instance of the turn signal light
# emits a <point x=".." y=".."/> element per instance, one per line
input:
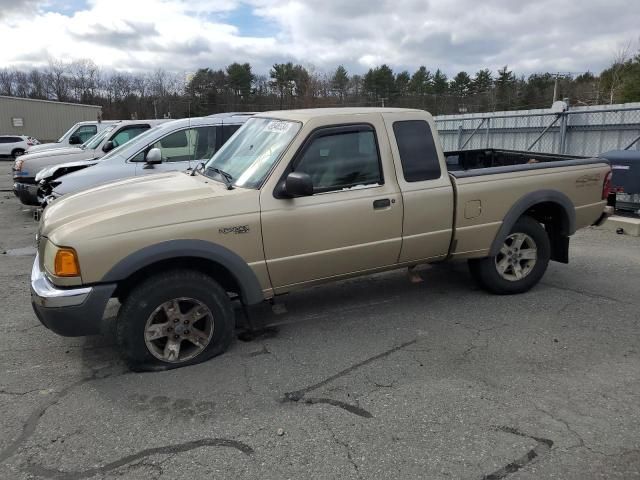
<point x="66" y="263"/>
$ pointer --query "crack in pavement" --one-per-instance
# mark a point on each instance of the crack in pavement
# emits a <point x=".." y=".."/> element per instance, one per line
<point x="345" y="445"/>
<point x="542" y="447"/>
<point x="19" y="394"/>
<point x="29" y="427"/>
<point x="361" y="412"/>
<point x="596" y="296"/>
<point x="299" y="395"/>
<point x="53" y="473"/>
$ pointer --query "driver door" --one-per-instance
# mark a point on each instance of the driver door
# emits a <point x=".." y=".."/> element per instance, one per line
<point x="351" y="223"/>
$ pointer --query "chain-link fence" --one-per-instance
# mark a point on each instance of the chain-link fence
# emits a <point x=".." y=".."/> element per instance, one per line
<point x="586" y="131"/>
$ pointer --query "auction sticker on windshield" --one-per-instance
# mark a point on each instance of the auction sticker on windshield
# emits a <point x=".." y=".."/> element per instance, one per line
<point x="277" y="126"/>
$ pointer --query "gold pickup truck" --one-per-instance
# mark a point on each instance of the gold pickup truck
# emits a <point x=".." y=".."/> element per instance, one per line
<point x="297" y="198"/>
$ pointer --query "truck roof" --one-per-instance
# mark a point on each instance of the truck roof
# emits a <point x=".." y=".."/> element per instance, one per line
<point x="305" y="114"/>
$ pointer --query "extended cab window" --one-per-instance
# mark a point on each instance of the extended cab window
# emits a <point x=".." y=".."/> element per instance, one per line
<point x="418" y="154"/>
<point x="85" y="132"/>
<point x="342" y="160"/>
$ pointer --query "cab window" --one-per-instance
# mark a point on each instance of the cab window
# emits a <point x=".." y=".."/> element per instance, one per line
<point x="342" y="160"/>
<point x="127" y="133"/>
<point x="85" y="132"/>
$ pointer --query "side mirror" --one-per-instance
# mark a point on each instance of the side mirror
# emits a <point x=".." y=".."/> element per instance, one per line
<point x="298" y="184"/>
<point x="75" y="140"/>
<point x="107" y="147"/>
<point x="154" y="156"/>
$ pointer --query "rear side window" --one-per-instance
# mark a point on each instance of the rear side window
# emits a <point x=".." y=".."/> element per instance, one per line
<point x="418" y="153"/>
<point x="10" y="139"/>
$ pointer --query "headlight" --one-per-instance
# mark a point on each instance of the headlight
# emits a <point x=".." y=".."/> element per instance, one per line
<point x="18" y="165"/>
<point x="61" y="261"/>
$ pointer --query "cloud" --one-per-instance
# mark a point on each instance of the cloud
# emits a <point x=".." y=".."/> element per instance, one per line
<point x="183" y="35"/>
<point x="9" y="8"/>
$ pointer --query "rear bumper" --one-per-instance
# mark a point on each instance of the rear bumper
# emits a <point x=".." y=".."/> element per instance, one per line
<point x="27" y="193"/>
<point x="608" y="211"/>
<point x="71" y="312"/>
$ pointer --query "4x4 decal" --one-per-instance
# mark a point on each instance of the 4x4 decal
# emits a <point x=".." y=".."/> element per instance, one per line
<point x="237" y="229"/>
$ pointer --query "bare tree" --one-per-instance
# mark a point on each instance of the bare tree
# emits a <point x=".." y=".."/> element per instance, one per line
<point x="6" y="82"/>
<point x="37" y="82"/>
<point x="621" y="57"/>
<point x="58" y="80"/>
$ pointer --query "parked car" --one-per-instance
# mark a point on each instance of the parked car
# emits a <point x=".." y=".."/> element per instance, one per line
<point x="294" y="199"/>
<point x="175" y="145"/>
<point x="27" y="167"/>
<point x="15" y="145"/>
<point x="78" y="134"/>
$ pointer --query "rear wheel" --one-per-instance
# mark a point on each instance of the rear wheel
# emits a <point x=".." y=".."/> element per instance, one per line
<point x="520" y="263"/>
<point x="174" y="319"/>
<point x="17" y="152"/>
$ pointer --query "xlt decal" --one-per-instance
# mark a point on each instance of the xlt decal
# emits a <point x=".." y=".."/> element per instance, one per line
<point x="237" y="229"/>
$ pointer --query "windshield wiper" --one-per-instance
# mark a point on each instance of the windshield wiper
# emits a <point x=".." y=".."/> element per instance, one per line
<point x="194" y="170"/>
<point x="226" y="177"/>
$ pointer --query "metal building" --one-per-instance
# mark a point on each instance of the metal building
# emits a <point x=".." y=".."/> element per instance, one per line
<point x="42" y="119"/>
<point x="582" y="130"/>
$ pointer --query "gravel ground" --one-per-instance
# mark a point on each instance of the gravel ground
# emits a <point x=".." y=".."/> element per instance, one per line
<point x="376" y="377"/>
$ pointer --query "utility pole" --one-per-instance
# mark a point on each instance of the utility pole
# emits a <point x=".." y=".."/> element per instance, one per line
<point x="155" y="109"/>
<point x="382" y="100"/>
<point x="555" y="88"/>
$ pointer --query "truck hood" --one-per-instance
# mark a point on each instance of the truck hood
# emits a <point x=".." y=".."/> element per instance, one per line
<point x="141" y="203"/>
<point x="48" y="172"/>
<point x="48" y="152"/>
<point x="102" y="172"/>
<point x="33" y="163"/>
<point x="47" y="146"/>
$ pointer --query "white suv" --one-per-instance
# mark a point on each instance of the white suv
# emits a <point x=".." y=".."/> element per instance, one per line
<point x="15" y="145"/>
<point x="75" y="136"/>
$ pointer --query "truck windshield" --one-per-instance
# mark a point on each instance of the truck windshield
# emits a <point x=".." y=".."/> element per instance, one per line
<point x="247" y="157"/>
<point x="94" y="141"/>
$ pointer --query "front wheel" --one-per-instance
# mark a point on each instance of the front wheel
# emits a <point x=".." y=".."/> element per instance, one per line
<point x="18" y="152"/>
<point x="520" y="263"/>
<point x="174" y="319"/>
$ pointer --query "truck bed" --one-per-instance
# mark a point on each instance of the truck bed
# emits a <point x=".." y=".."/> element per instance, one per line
<point x="490" y="161"/>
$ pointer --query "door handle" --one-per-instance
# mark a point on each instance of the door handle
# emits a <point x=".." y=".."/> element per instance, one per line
<point x="381" y="203"/>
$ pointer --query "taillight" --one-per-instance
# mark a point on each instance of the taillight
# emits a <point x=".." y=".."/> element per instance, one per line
<point x="29" y="144"/>
<point x="606" y="186"/>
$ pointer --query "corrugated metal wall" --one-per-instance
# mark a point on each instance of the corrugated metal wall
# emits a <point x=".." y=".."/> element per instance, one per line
<point x="587" y="130"/>
<point x="42" y="119"/>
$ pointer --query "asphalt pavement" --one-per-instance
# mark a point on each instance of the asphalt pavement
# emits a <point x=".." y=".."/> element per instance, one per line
<point x="376" y="377"/>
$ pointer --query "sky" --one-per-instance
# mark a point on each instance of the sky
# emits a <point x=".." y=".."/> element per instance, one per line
<point x="184" y="35"/>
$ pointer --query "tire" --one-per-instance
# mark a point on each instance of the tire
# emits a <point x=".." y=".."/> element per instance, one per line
<point x="157" y="312"/>
<point x="17" y="153"/>
<point x="517" y="268"/>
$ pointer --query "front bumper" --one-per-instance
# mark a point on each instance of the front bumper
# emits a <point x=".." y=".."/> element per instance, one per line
<point x="27" y="193"/>
<point x="71" y="312"/>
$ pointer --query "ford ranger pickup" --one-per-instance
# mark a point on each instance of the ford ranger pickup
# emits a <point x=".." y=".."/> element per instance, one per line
<point x="293" y="199"/>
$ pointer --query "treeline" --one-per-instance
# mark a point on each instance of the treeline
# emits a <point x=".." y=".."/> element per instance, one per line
<point x="288" y="85"/>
